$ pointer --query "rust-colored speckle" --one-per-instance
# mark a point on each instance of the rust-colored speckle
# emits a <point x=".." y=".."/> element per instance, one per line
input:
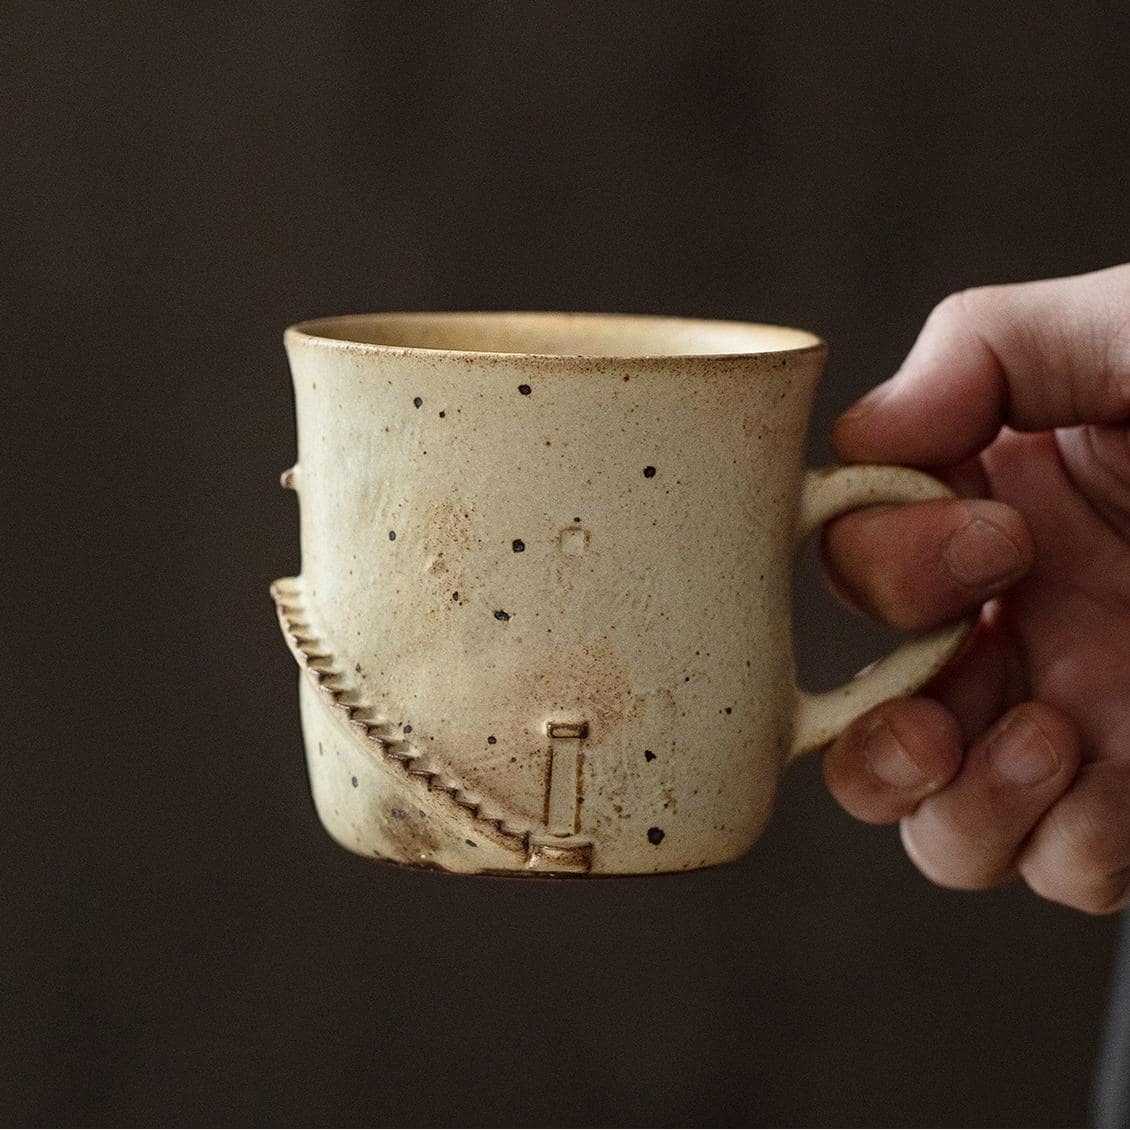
<point x="408" y="837"/>
<point x="447" y="541"/>
<point x="592" y="683"/>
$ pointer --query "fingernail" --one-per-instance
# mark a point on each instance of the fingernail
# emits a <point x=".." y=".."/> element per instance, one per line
<point x="1020" y="754"/>
<point x="981" y="554"/>
<point x="887" y="760"/>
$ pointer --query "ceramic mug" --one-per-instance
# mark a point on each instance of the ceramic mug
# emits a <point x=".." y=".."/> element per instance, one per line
<point x="544" y="615"/>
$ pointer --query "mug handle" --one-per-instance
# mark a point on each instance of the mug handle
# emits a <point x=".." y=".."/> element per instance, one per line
<point x="828" y="493"/>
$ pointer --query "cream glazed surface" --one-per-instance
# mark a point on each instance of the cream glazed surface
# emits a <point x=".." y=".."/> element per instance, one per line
<point x="544" y="611"/>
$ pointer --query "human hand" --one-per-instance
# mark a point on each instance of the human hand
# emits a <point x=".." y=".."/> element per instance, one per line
<point x="1016" y="759"/>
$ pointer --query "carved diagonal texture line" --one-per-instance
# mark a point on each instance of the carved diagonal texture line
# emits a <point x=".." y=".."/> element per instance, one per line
<point x="335" y="684"/>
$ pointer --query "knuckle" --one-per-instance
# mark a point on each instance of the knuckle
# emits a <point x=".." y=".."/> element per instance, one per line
<point x="978" y="303"/>
<point x="986" y="549"/>
<point x="1111" y="449"/>
<point x="1112" y="348"/>
<point x="1113" y="400"/>
<point x="955" y="306"/>
<point x="1102" y="466"/>
<point x="971" y="314"/>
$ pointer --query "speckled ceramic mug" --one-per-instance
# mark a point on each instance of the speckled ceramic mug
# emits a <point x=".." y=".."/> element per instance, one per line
<point x="543" y="619"/>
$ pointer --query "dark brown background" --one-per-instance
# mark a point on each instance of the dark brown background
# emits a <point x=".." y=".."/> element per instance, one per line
<point x="181" y="942"/>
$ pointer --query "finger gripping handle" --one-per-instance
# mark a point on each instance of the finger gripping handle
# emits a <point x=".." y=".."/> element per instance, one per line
<point x="827" y="494"/>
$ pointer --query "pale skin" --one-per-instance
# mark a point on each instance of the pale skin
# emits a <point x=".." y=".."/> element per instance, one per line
<point x="1016" y="760"/>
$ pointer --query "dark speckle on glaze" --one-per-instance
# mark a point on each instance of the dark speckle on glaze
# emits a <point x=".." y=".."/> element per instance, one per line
<point x="417" y="401"/>
<point x="491" y="740"/>
<point x="518" y="545"/>
<point x="525" y="390"/>
<point x="648" y="755"/>
<point x="392" y="535"/>
<point x="649" y="472"/>
<point x="500" y="615"/>
<point x="443" y="415"/>
<point x="408" y="728"/>
<point x="454" y="596"/>
<point x="655" y="836"/>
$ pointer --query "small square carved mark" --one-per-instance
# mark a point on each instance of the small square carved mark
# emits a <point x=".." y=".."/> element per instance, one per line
<point x="574" y="540"/>
<point x="567" y="729"/>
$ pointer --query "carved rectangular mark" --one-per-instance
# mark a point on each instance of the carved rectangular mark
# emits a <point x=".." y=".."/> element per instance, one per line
<point x="567" y="729"/>
<point x="574" y="540"/>
<point x="559" y="854"/>
<point x="564" y="789"/>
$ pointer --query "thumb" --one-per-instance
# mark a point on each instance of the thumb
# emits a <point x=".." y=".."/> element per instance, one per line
<point x="1034" y="356"/>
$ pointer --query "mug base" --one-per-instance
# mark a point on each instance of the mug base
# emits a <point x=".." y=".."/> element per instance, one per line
<point x="379" y="799"/>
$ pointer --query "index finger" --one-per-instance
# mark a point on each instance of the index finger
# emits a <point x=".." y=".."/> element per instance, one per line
<point x="1034" y="356"/>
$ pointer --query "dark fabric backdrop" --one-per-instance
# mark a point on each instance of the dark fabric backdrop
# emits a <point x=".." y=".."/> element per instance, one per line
<point x="181" y="942"/>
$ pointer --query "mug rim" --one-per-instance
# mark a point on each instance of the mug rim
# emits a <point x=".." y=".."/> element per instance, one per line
<point x="339" y="332"/>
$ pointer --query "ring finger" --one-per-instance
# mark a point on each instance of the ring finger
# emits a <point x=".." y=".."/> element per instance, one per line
<point x="968" y="834"/>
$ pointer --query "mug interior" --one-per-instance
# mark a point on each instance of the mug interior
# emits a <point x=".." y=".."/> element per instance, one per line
<point x="559" y="334"/>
